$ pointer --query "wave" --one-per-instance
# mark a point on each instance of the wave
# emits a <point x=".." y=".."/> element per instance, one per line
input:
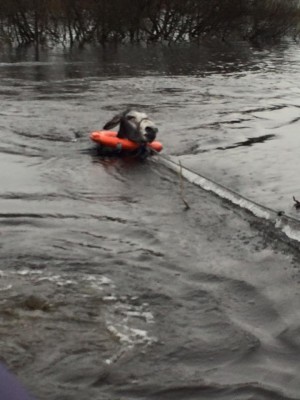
<point x="286" y="224"/>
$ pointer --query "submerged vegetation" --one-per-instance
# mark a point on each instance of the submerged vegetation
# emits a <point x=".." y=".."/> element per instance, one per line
<point x="101" y="21"/>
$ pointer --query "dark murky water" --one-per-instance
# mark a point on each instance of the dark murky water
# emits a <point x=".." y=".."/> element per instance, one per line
<point x="109" y="289"/>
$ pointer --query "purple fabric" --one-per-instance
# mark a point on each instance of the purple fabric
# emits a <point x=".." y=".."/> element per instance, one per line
<point x="10" y="387"/>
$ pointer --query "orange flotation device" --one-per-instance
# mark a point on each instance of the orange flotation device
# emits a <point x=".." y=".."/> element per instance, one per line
<point x="110" y="139"/>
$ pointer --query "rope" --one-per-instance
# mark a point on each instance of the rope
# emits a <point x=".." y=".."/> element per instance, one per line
<point x="289" y="225"/>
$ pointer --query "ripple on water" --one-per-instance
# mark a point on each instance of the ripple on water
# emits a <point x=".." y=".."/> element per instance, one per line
<point x="78" y="316"/>
<point x="108" y="289"/>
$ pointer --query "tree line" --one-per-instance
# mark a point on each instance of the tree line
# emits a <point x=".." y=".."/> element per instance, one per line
<point x="72" y="22"/>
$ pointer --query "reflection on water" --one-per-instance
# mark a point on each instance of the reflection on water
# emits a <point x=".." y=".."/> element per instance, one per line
<point x="108" y="288"/>
<point x="138" y="60"/>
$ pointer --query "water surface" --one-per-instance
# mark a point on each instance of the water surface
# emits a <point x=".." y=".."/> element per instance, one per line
<point x="109" y="288"/>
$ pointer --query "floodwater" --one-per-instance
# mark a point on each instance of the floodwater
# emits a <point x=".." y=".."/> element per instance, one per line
<point x="109" y="288"/>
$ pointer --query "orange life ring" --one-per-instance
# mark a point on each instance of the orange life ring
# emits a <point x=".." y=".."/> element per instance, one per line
<point x="110" y="139"/>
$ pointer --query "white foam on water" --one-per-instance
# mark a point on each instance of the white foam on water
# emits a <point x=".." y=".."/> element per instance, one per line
<point x="110" y="298"/>
<point x="147" y="316"/>
<point x="27" y="271"/>
<point x="57" y="279"/>
<point x="129" y="338"/>
<point x="99" y="282"/>
<point x="131" y="316"/>
<point x="102" y="279"/>
<point x="124" y="317"/>
<point x="290" y="232"/>
<point x="126" y="322"/>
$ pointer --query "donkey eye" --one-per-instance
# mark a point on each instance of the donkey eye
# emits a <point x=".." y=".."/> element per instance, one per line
<point x="130" y="117"/>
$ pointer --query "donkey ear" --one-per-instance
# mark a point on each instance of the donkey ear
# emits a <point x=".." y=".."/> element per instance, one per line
<point x="113" y="122"/>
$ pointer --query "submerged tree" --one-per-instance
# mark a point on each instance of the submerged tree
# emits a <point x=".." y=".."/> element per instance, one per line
<point x="102" y="21"/>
